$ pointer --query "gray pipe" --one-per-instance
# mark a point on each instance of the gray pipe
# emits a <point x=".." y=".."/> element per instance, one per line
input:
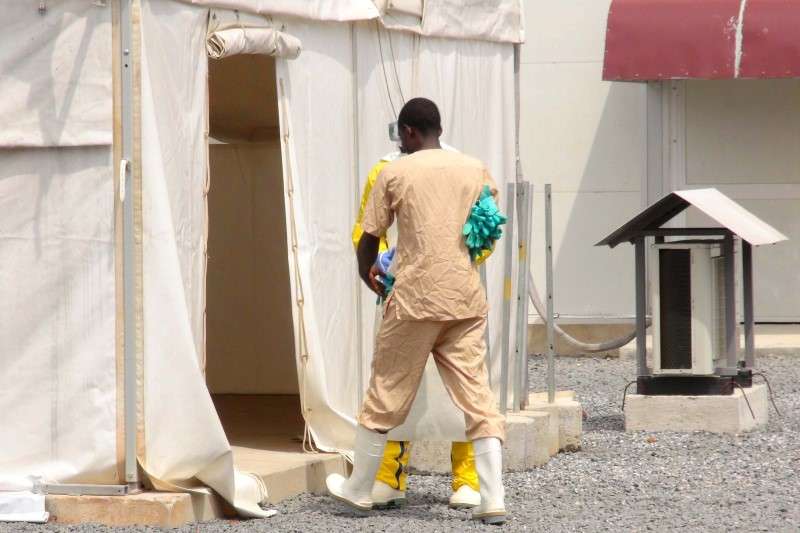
<point x="591" y="347"/>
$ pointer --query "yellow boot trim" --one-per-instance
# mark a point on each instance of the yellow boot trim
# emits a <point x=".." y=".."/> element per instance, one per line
<point x="394" y="466"/>
<point x="462" y="458"/>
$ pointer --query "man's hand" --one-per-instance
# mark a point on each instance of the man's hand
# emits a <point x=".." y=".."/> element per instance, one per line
<point x="366" y="253"/>
<point x="375" y="283"/>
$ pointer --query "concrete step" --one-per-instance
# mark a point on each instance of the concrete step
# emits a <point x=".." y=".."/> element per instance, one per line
<point x="159" y="509"/>
<point x="715" y="414"/>
<point x="532" y="436"/>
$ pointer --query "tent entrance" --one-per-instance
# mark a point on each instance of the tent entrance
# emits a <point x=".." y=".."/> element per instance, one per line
<point x="250" y="360"/>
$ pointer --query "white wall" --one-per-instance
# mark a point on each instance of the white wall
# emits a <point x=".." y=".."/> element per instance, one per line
<point x="588" y="138"/>
<point x="742" y="137"/>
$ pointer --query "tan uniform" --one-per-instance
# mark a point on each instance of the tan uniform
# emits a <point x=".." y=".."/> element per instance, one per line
<point x="438" y="304"/>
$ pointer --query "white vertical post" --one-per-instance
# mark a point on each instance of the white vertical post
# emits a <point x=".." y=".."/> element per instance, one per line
<point x="551" y="372"/>
<point x="641" y="307"/>
<point x="521" y="353"/>
<point x="357" y="199"/>
<point x="128" y="254"/>
<point x="728" y="245"/>
<point x="507" y="269"/>
<point x="486" y="335"/>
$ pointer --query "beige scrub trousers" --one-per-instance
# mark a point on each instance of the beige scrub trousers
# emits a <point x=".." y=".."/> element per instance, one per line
<point x="402" y="349"/>
<point x="437" y="305"/>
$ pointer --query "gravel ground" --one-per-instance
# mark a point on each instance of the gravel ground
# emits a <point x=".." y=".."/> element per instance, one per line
<point x="619" y="481"/>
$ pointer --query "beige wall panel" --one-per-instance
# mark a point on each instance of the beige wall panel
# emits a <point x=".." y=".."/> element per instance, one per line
<point x="580" y="133"/>
<point x="743" y="131"/>
<point x="588" y="138"/>
<point x="250" y="340"/>
<point x="564" y="31"/>
<point x="588" y="280"/>
<point x="775" y="268"/>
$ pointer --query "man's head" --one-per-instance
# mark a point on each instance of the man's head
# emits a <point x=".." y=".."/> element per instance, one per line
<point x="420" y="125"/>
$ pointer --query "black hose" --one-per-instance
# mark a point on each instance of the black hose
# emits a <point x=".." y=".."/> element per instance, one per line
<point x="625" y="394"/>
<point x="769" y="388"/>
<point x="746" y="399"/>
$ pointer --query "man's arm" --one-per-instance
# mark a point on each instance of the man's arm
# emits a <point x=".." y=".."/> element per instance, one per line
<point x="357" y="229"/>
<point x="367" y="253"/>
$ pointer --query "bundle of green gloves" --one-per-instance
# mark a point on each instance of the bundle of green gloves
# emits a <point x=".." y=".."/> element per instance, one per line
<point x="482" y="228"/>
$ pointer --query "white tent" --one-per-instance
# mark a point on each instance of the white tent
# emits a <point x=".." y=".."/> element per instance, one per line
<point x="63" y="267"/>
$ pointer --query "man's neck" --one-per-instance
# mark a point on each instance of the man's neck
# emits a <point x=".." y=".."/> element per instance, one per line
<point x="431" y="144"/>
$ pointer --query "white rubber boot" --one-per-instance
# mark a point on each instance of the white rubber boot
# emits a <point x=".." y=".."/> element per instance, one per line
<point x="489" y="465"/>
<point x="356" y="491"/>
<point x="385" y="497"/>
<point x="465" y="498"/>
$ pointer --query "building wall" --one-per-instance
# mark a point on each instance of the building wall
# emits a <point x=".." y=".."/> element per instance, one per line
<point x="588" y="138"/>
<point x="742" y="137"/>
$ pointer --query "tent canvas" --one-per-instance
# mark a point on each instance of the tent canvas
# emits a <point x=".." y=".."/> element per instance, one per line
<point x="61" y="316"/>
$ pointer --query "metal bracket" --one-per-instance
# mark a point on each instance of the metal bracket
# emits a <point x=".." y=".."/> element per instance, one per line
<point x="123" y="168"/>
<point x="77" y="489"/>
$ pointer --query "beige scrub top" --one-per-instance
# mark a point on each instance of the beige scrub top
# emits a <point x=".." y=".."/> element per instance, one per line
<point x="431" y="193"/>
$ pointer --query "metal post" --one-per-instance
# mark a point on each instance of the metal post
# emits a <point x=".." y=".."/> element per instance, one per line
<point x="641" y="307"/>
<point x="507" y="267"/>
<point x="126" y="164"/>
<point x="357" y="200"/>
<point x="730" y="302"/>
<point x="749" y="321"/>
<point x="521" y="351"/>
<point x="486" y="337"/>
<point x="548" y="233"/>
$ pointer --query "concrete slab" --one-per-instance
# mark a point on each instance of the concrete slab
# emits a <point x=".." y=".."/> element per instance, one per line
<point x="716" y="414"/>
<point x="537" y="337"/>
<point x="265" y="432"/>
<point x="567" y="416"/>
<point x="537" y="437"/>
<point x="265" y="435"/>
<point x="771" y="339"/>
<point x="160" y="509"/>
<point x="529" y="438"/>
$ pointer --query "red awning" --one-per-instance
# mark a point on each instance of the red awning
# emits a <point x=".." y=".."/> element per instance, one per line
<point x="705" y="39"/>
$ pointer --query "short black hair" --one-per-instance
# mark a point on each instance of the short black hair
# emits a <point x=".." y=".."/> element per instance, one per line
<point x="421" y="114"/>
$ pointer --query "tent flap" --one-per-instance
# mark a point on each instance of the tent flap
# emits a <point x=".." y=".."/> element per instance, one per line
<point x="339" y="10"/>
<point x="232" y="33"/>
<point x="482" y="20"/>
<point x="234" y="41"/>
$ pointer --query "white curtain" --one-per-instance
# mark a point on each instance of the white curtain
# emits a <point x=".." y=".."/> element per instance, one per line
<point x="184" y="438"/>
<point x="473" y="84"/>
<point x="58" y="396"/>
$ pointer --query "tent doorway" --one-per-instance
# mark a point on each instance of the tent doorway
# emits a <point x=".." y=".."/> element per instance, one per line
<point x="250" y="361"/>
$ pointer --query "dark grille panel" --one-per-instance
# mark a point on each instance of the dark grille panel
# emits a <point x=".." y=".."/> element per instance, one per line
<point x="675" y="291"/>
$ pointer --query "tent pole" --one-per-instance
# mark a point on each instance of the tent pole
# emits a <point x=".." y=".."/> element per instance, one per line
<point x="517" y="160"/>
<point x="548" y="235"/>
<point x="507" y="269"/>
<point x="357" y="198"/>
<point x="520" y="389"/>
<point x="129" y="288"/>
<point x="486" y="336"/>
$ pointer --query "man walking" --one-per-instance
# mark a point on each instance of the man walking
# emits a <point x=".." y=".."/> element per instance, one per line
<point x="437" y="306"/>
<point x="391" y="481"/>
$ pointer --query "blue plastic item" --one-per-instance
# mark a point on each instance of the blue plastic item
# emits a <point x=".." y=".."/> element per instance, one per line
<point x="384" y="262"/>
